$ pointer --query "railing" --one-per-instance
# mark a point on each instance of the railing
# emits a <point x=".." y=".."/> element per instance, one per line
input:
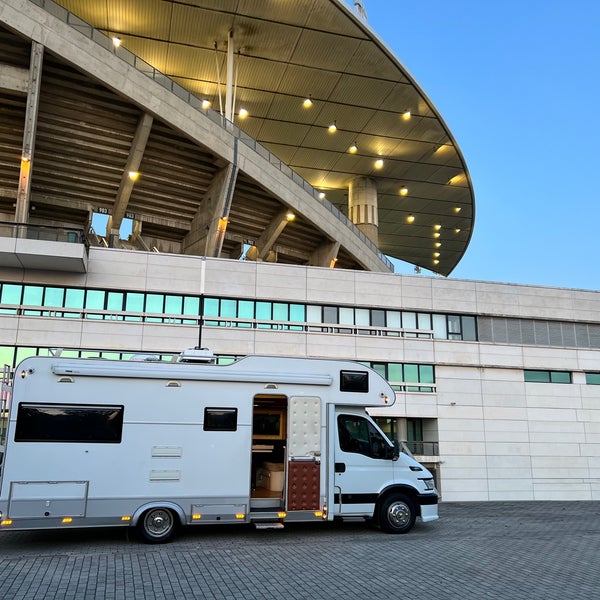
<point x="4" y="406"/>
<point x="49" y="233"/>
<point x="423" y="448"/>
<point x="143" y="67"/>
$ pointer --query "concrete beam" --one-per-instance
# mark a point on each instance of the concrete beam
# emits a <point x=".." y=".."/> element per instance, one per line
<point x="14" y="79"/>
<point x="325" y="255"/>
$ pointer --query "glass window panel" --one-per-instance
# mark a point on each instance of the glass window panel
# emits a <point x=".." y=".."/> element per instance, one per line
<point x="211" y="307"/>
<point x="330" y="314"/>
<point x="424" y="321"/>
<point x="378" y="317"/>
<point x="469" y="333"/>
<point x="95" y="299"/>
<point x="173" y="305"/>
<point x="426" y="374"/>
<point x="379" y="368"/>
<point x="246" y="309"/>
<point x="297" y="313"/>
<point x="313" y="314"/>
<point x="154" y="303"/>
<point x="54" y="296"/>
<point x="7" y="355"/>
<point x="537" y="376"/>
<point x="74" y="298"/>
<point x="134" y="302"/>
<point x="23" y="353"/>
<point x="114" y="301"/>
<point x="393" y="319"/>
<point x="346" y="316"/>
<point x="411" y="373"/>
<point x="264" y="311"/>
<point x="395" y="372"/>
<point x="280" y="311"/>
<point x="11" y="293"/>
<point x="560" y="377"/>
<point x="453" y="324"/>
<point x="409" y="320"/>
<point x="228" y="308"/>
<point x="191" y="306"/>
<point x="32" y="295"/>
<point x="440" y="331"/>
<point x="592" y="378"/>
<point x="361" y="316"/>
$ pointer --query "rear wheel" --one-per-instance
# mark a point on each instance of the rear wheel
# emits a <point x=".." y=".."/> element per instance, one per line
<point x="157" y="525"/>
<point x="397" y="514"/>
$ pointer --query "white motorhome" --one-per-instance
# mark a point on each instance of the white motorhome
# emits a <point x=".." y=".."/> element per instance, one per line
<point x="156" y="445"/>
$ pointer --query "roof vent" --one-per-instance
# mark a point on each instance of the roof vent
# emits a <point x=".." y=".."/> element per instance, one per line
<point x="197" y="355"/>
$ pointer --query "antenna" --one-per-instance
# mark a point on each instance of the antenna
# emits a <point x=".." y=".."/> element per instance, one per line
<point x="359" y="9"/>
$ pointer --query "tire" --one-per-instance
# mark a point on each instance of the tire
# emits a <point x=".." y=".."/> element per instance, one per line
<point x="157" y="525"/>
<point x="397" y="514"/>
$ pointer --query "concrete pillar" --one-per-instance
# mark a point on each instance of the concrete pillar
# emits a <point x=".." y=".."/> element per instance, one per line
<point x="362" y="206"/>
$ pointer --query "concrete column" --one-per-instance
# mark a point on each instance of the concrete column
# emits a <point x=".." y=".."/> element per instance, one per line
<point x="31" y="115"/>
<point x="362" y="207"/>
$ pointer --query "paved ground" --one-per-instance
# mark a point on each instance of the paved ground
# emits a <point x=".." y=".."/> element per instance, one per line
<point x="529" y="551"/>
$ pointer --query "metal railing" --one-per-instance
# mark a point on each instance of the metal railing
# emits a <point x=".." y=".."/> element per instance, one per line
<point x="50" y="233"/>
<point x="143" y="67"/>
<point x="423" y="448"/>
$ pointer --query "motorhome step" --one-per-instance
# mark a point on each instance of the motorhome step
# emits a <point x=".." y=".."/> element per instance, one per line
<point x="268" y="525"/>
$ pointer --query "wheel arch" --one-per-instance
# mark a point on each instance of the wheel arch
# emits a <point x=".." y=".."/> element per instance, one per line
<point x="408" y="490"/>
<point x="173" y="506"/>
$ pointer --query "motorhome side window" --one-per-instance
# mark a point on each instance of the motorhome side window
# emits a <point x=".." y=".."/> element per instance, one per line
<point x="358" y="435"/>
<point x="86" y="423"/>
<point x="354" y="381"/>
<point x="220" y="419"/>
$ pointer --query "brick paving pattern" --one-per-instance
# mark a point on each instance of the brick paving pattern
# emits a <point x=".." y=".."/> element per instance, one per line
<point x="495" y="550"/>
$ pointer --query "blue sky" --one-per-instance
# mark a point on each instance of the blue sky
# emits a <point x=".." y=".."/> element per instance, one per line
<point x="518" y="84"/>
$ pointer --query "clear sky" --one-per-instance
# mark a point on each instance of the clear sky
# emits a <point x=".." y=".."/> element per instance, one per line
<point x="518" y="84"/>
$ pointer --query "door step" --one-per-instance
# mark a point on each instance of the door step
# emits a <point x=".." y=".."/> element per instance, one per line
<point x="268" y="525"/>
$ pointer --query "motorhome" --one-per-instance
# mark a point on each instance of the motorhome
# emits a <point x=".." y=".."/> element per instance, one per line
<point x="156" y="445"/>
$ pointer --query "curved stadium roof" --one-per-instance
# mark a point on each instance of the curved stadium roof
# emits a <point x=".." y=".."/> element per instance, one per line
<point x="286" y="52"/>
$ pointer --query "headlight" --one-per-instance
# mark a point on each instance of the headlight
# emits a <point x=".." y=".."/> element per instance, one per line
<point x="429" y="484"/>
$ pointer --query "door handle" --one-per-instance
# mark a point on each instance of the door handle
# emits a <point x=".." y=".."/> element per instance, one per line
<point x="340" y="467"/>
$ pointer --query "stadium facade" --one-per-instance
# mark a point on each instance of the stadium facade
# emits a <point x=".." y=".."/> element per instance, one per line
<point x="271" y="235"/>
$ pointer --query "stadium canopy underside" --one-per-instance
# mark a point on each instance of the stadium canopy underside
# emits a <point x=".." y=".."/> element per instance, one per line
<point x="275" y="181"/>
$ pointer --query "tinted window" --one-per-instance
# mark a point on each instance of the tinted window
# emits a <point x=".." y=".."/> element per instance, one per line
<point x="69" y="423"/>
<point x="354" y="381"/>
<point x="220" y="419"/>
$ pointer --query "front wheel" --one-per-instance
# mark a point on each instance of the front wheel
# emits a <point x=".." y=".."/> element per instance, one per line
<point x="397" y="514"/>
<point x="157" y="525"/>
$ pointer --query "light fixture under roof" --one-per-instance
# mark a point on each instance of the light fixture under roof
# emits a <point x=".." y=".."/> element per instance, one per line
<point x="243" y="113"/>
<point x="116" y="41"/>
<point x="205" y="104"/>
<point x="332" y="128"/>
<point x="404" y="191"/>
<point x="438" y="244"/>
<point x="379" y="163"/>
<point x="436" y="255"/>
<point x="321" y="195"/>
<point x="436" y="261"/>
<point x="436" y="234"/>
<point x="307" y="102"/>
<point x="134" y="175"/>
<point x="353" y="149"/>
<point x="406" y="115"/>
<point x="410" y="219"/>
<point x="457" y="209"/>
<point x="457" y="230"/>
<point x="437" y="227"/>
<point x="290" y="216"/>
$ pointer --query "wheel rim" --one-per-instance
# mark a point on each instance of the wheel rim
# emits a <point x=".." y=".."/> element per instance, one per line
<point x="158" y="522"/>
<point x="399" y="514"/>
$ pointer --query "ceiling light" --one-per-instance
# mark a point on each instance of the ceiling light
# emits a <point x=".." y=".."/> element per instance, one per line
<point x="243" y="113"/>
<point x="290" y="216"/>
<point x="457" y="209"/>
<point x="379" y="163"/>
<point x="205" y="104"/>
<point x="410" y="219"/>
<point x="353" y="149"/>
<point x="406" y="115"/>
<point x="436" y="234"/>
<point x="436" y="262"/>
<point x="321" y="195"/>
<point x="438" y="244"/>
<point x="307" y="102"/>
<point x="436" y="254"/>
<point x="457" y="230"/>
<point x="116" y="41"/>
<point x="332" y="128"/>
<point x="437" y="227"/>
<point x="403" y="191"/>
<point x="134" y="175"/>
